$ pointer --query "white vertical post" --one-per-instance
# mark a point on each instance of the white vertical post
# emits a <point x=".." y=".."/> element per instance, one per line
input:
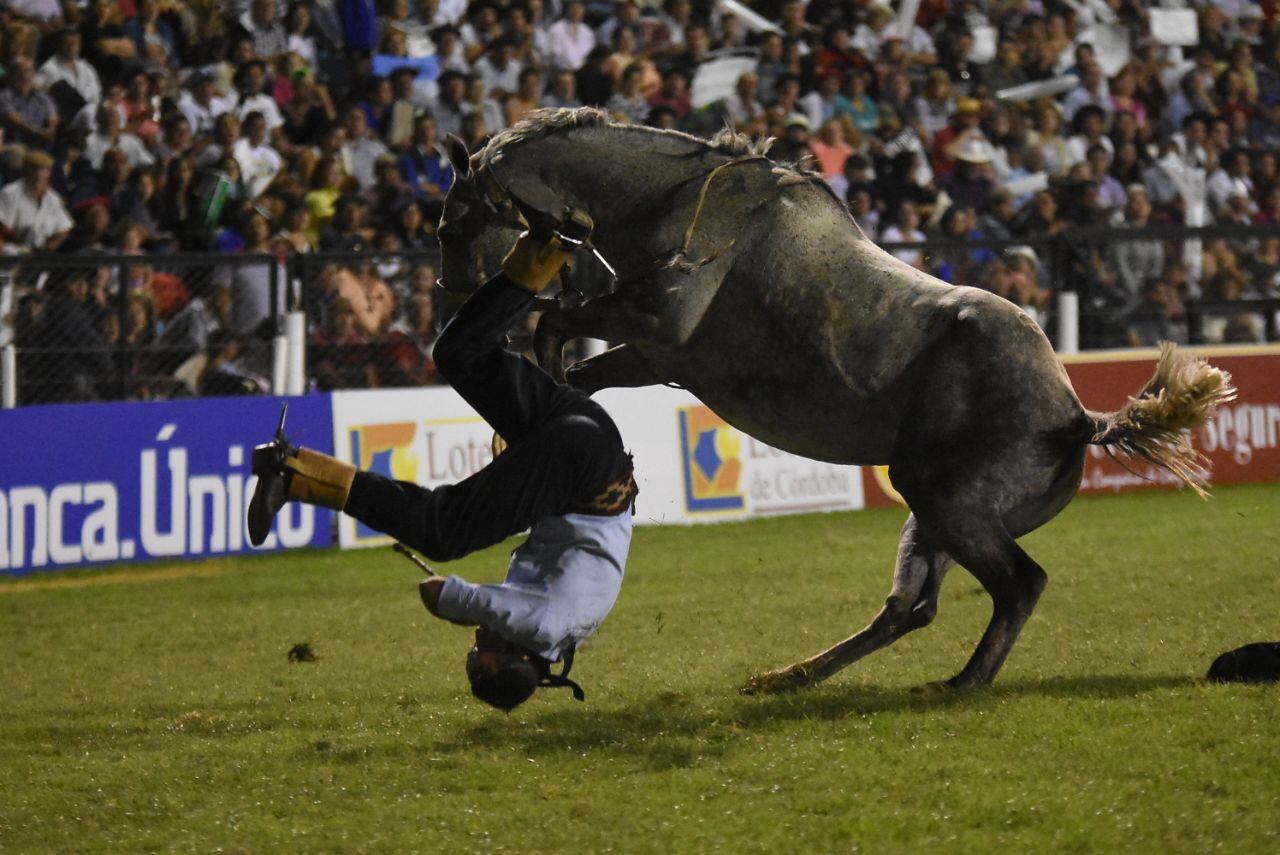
<point x="279" y="364"/>
<point x="8" y="377"/>
<point x="1068" y="322"/>
<point x="295" y="330"/>
<point x="6" y="309"/>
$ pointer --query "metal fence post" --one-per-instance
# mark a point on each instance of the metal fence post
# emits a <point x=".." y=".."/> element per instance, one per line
<point x="8" y="376"/>
<point x="122" y="316"/>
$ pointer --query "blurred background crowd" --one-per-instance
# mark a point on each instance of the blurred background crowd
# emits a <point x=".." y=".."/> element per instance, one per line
<point x="151" y="130"/>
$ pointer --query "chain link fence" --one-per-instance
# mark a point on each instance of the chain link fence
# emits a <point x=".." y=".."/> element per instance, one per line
<point x="107" y="327"/>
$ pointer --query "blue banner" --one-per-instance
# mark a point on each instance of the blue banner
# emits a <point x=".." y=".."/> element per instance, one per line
<point x="90" y="483"/>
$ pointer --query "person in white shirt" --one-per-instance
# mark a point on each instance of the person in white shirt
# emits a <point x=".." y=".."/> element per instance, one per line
<point x="743" y="107"/>
<point x="259" y="162"/>
<point x="499" y="69"/>
<point x="201" y="105"/>
<point x="249" y="80"/>
<point x="905" y="229"/>
<point x="362" y="149"/>
<point x="560" y="470"/>
<point x="571" y="39"/>
<point x="66" y="66"/>
<point x="109" y="136"/>
<point x="1232" y="178"/>
<point x="31" y="213"/>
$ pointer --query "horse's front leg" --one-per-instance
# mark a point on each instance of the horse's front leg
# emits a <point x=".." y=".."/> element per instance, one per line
<point x="611" y="318"/>
<point x="617" y="367"/>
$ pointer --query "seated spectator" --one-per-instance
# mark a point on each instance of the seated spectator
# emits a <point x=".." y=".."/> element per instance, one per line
<point x="1136" y="262"/>
<point x="629" y="103"/>
<point x="28" y="114"/>
<point x="328" y="183"/>
<point x="154" y="41"/>
<point x="498" y="69"/>
<point x="70" y="81"/>
<point x="407" y="355"/>
<point x="31" y="213"/>
<point x="340" y="353"/>
<point x="259" y="162"/>
<point x="109" y="135"/>
<point x="200" y="103"/>
<point x="140" y="113"/>
<point x="362" y="149"/>
<point x="1005" y="71"/>
<point x="346" y="233"/>
<point x="250" y="79"/>
<point x="1158" y="317"/>
<point x="526" y="98"/>
<point x="412" y="228"/>
<point x="742" y="107"/>
<point x="92" y="224"/>
<point x="263" y="29"/>
<point x="831" y="152"/>
<point x="971" y="183"/>
<point x="425" y="169"/>
<point x="190" y="330"/>
<point x="224" y="372"/>
<point x="905" y="228"/>
<point x="674" y="94"/>
<point x="854" y="102"/>
<point x="387" y="194"/>
<point x="75" y="365"/>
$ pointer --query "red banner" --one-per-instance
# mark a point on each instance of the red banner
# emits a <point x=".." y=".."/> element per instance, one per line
<point x="1242" y="440"/>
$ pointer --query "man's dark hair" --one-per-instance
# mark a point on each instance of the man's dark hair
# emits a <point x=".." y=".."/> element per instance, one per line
<point x="509" y="687"/>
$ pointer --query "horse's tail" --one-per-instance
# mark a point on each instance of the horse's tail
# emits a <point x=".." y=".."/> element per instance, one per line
<point x="1155" y="425"/>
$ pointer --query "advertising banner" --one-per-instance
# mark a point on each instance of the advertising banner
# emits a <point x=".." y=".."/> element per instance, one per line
<point x="1242" y="440"/>
<point x="90" y="483"/>
<point x="690" y="465"/>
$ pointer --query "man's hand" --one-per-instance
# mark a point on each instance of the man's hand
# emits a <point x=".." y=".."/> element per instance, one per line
<point x="533" y="262"/>
<point x="429" y="590"/>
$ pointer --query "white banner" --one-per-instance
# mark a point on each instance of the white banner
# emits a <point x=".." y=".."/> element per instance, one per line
<point x="691" y="466"/>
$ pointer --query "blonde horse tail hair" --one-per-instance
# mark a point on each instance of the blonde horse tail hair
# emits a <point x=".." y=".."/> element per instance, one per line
<point x="1156" y="424"/>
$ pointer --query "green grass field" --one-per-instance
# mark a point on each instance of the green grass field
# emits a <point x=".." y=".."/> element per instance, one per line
<point x="153" y="708"/>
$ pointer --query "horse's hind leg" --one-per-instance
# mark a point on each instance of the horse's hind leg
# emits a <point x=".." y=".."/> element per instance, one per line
<point x="1014" y="582"/>
<point x="911" y="604"/>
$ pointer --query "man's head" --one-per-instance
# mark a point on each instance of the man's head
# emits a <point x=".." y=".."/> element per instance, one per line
<point x="502" y="674"/>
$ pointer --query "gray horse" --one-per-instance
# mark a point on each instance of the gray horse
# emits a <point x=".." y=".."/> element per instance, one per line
<point x="748" y="283"/>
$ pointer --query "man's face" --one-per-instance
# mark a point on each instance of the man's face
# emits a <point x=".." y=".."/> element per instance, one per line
<point x="491" y="653"/>
<point x="71" y="45"/>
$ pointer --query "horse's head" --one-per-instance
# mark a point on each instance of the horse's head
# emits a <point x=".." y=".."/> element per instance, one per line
<point x="474" y="234"/>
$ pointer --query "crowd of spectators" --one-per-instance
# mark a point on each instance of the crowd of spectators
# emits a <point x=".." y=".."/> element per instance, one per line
<point x="153" y="128"/>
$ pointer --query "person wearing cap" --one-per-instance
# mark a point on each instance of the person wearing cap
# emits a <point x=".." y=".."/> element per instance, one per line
<point x="31" y="212"/>
<point x="564" y="475"/>
<point x="970" y="183"/>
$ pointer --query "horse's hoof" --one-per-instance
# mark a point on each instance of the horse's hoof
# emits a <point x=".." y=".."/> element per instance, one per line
<point x="777" y="682"/>
<point x="937" y="687"/>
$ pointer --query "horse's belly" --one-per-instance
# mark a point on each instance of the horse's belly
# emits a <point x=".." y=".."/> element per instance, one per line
<point x="815" y="420"/>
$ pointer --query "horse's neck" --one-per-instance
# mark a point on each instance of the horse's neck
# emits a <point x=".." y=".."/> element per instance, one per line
<point x="620" y="185"/>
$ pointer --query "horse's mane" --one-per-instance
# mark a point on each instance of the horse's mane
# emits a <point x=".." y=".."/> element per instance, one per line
<point x="544" y="123"/>
<point x="731" y="143"/>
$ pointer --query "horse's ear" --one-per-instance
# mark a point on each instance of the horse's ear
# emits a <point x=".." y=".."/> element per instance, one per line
<point x="458" y="156"/>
